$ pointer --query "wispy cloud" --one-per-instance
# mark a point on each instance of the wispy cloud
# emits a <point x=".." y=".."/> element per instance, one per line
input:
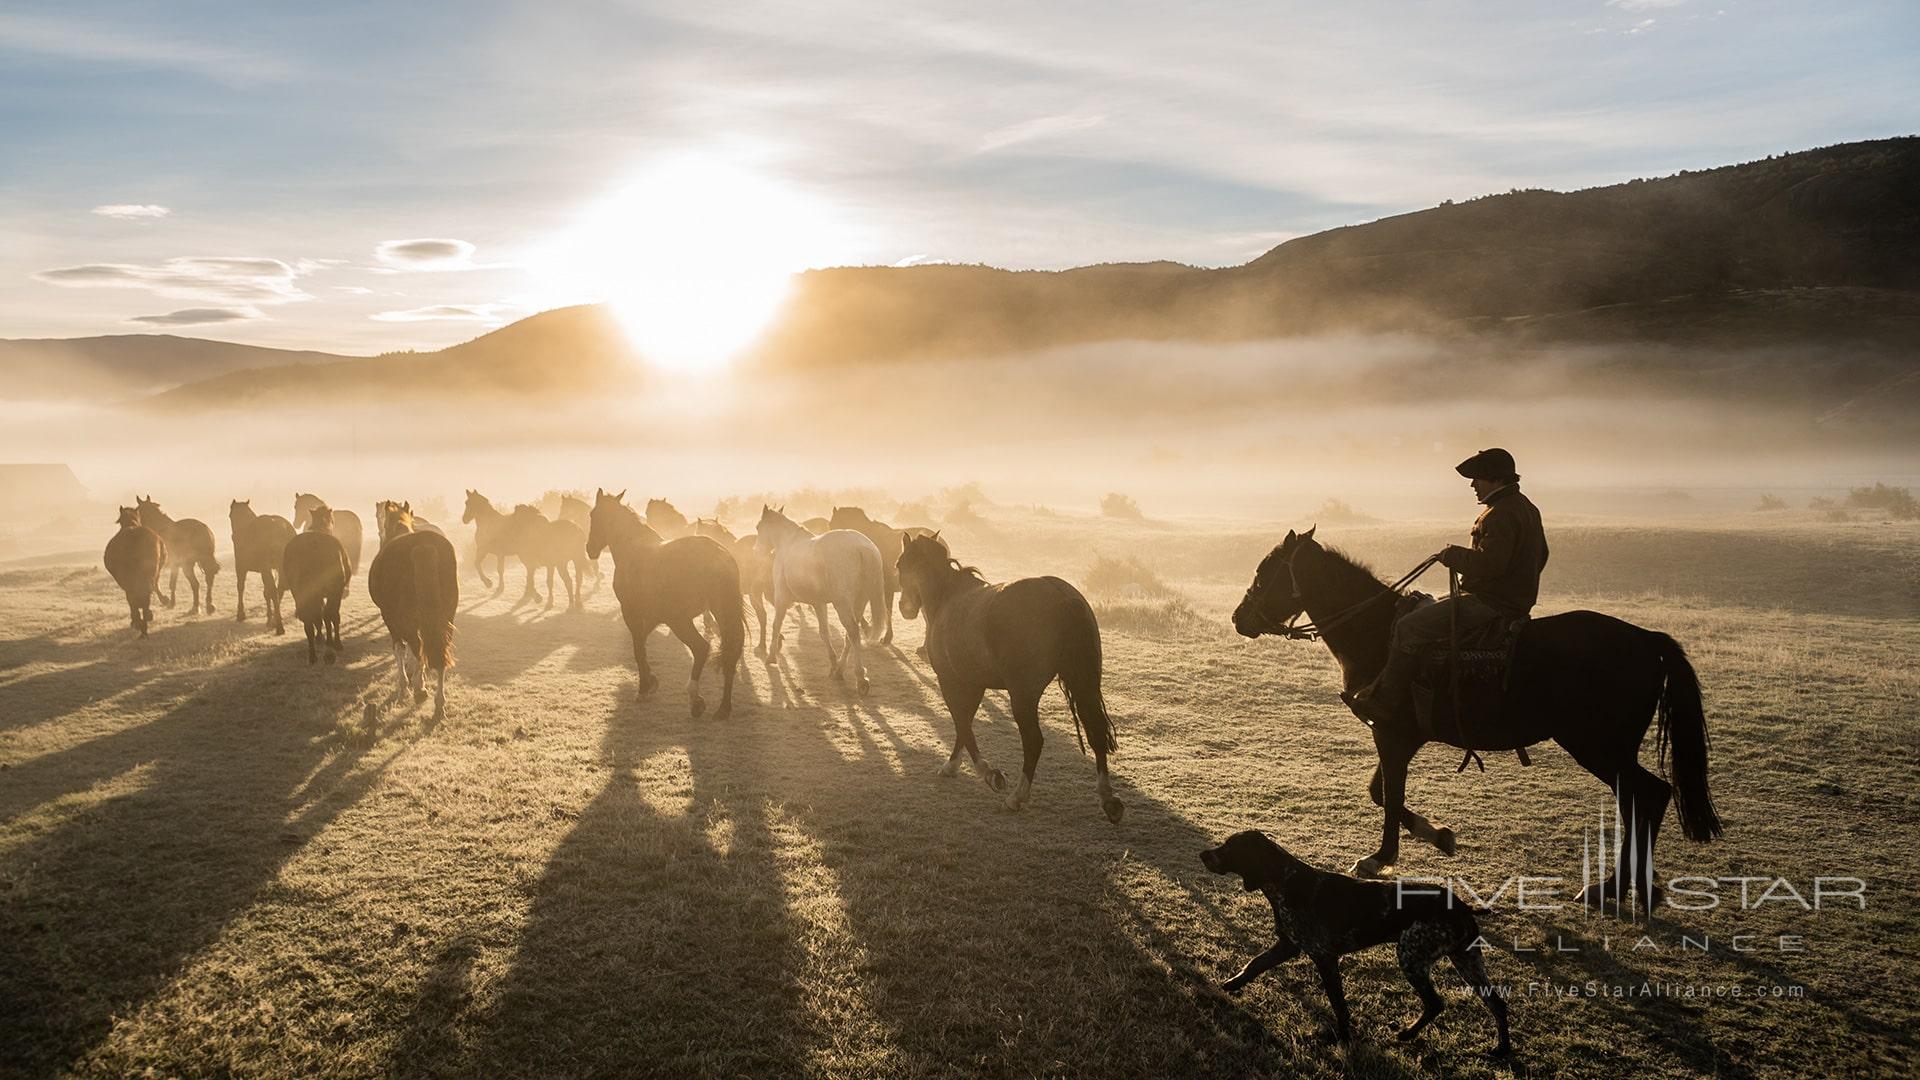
<point x="232" y="280"/>
<point x="447" y="313"/>
<point x="421" y="255"/>
<point x="132" y="211"/>
<point x="1044" y="127"/>
<point x="1644" y="5"/>
<point x="71" y="39"/>
<point x="199" y="316"/>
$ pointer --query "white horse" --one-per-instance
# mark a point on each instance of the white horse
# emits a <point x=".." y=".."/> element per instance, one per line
<point x="839" y="567"/>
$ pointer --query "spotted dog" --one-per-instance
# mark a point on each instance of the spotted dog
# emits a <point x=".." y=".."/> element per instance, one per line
<point x="1328" y="916"/>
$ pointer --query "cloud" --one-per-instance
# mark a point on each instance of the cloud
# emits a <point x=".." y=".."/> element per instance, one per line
<point x="446" y="313"/>
<point x="217" y="279"/>
<point x="1643" y="5"/>
<point x="426" y="254"/>
<point x="1043" y="127"/>
<point x="354" y="290"/>
<point x="77" y="40"/>
<point x="198" y="316"/>
<point x="132" y="211"/>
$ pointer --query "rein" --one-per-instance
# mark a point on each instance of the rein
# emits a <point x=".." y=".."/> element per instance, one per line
<point x="1314" y="630"/>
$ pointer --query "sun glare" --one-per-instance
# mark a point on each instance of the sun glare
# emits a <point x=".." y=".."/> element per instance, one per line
<point x="695" y="255"/>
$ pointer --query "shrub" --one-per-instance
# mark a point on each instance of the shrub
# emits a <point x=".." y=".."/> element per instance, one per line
<point x="1116" y="505"/>
<point x="1147" y="618"/>
<point x="1771" y="502"/>
<point x="1896" y="502"/>
<point x="1337" y="512"/>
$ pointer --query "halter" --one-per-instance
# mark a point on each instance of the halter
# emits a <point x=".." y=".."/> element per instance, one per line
<point x="1314" y="630"/>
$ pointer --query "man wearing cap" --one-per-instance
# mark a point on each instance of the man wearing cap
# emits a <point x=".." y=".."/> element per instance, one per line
<point x="1499" y="579"/>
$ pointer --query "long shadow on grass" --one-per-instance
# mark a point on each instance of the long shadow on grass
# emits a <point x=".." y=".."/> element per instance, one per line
<point x="104" y="906"/>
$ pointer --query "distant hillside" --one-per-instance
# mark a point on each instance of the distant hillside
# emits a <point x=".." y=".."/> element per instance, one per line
<point x="555" y="351"/>
<point x="127" y="365"/>
<point x="1819" y="248"/>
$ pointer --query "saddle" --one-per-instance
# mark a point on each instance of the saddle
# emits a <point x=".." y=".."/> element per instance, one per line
<point x="1459" y="694"/>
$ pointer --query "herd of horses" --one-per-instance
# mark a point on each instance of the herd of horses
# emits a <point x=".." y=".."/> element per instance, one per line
<point x="1590" y="682"/>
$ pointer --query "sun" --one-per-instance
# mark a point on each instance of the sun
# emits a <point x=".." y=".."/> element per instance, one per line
<point x="695" y="256"/>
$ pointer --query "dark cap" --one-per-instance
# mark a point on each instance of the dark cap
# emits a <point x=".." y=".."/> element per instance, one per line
<point x="1490" y="464"/>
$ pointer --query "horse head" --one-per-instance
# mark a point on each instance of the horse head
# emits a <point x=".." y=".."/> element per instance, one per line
<point x="129" y="517"/>
<point x="774" y="529"/>
<point x="395" y="518"/>
<point x="603" y="519"/>
<point x="476" y="505"/>
<point x="1274" y="597"/>
<point x="848" y="517"/>
<point x="240" y="511"/>
<point x="320" y="517"/>
<point x="923" y="559"/>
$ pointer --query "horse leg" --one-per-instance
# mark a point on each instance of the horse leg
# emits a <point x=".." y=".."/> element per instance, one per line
<point x="239" y="594"/>
<point x="759" y="601"/>
<point x="313" y="629"/>
<point x="887" y="638"/>
<point x="193" y="582"/>
<point x="820" y="617"/>
<point x="480" y="567"/>
<point x="333" y="628"/>
<point x="173" y="583"/>
<point x="210" y="572"/>
<point x="1395" y="753"/>
<point x="696" y="644"/>
<point x="400" y="653"/>
<point x="1026" y="713"/>
<point x="1418" y="827"/>
<point x="640" y="629"/>
<point x="772" y="650"/>
<point x="563" y="575"/>
<point x="855" y="651"/>
<point x="439" y="694"/>
<point x="271" y="585"/>
<point x="1650" y="796"/>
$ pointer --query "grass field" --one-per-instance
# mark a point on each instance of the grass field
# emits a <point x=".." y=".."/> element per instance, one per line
<point x="215" y="860"/>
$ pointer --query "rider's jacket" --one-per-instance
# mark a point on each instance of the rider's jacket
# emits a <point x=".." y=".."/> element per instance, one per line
<point x="1509" y="551"/>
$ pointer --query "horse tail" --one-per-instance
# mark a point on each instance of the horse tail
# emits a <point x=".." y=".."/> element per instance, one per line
<point x="877" y="589"/>
<point x="730" y="610"/>
<point x="1683" y="729"/>
<point x="436" y="629"/>
<point x="1080" y="663"/>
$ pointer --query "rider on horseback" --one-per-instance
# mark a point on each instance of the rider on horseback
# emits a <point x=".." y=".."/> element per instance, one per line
<point x="1499" y="579"/>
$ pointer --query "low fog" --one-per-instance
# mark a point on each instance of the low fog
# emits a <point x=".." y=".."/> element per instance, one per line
<point x="1263" y="431"/>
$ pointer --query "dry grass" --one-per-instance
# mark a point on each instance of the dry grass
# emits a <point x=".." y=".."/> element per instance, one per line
<point x="214" y="861"/>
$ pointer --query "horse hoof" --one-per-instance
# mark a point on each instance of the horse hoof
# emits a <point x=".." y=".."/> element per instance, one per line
<point x="865" y="685"/>
<point x="1114" y="807"/>
<point x="1445" y="841"/>
<point x="1014" y="801"/>
<point x="723" y="712"/>
<point x="1372" y="867"/>
<point x="419" y="696"/>
<point x="997" y="780"/>
<point x="697" y="707"/>
<point x="950" y="769"/>
<point x="330" y="659"/>
<point x="648" y="684"/>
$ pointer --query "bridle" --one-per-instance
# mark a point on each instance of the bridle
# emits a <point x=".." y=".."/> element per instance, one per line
<point x="1315" y="629"/>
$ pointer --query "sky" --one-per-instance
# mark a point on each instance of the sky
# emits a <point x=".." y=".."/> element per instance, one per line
<point x="363" y="177"/>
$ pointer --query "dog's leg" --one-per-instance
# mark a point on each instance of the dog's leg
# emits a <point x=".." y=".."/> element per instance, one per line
<point x="1467" y="961"/>
<point x="1282" y="951"/>
<point x="1420" y="945"/>
<point x="1336" y="996"/>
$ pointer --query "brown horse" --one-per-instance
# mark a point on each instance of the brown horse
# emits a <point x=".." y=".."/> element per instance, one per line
<point x="671" y="583"/>
<point x="670" y="523"/>
<point x="756" y="570"/>
<point x="492" y="535"/>
<point x="380" y="510"/>
<point x="580" y="513"/>
<point x="189" y="544"/>
<point x="549" y="545"/>
<point x="317" y="568"/>
<point x="1019" y="637"/>
<point x="134" y="557"/>
<point x="259" y="544"/>
<point x="890" y="541"/>
<point x="415" y="582"/>
<point x="346" y="526"/>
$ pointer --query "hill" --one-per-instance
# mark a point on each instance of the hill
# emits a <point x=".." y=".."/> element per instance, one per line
<point x="128" y="365"/>
<point x="1818" y="248"/>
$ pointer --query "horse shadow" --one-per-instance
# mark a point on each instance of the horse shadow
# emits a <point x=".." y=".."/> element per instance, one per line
<point x="201" y="807"/>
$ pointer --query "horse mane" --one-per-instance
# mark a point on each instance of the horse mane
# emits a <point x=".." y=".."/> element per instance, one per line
<point x="1349" y="570"/>
<point x="953" y="564"/>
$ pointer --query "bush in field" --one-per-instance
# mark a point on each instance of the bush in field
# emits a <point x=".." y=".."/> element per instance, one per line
<point x="1821" y="502"/>
<point x="963" y="513"/>
<point x="1116" y="505"/>
<point x="1838" y="516"/>
<point x="1126" y="578"/>
<point x="912" y="512"/>
<point x="1895" y="502"/>
<point x="1771" y="502"/>
<point x="1337" y="512"/>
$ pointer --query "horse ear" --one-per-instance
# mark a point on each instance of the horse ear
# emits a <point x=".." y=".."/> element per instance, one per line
<point x="1308" y="535"/>
<point x="622" y="497"/>
<point x="407" y="506"/>
<point x="1290" y="537"/>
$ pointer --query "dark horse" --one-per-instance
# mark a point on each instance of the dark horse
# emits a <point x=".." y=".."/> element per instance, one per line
<point x="316" y="569"/>
<point x="671" y="583"/>
<point x="1017" y="636"/>
<point x="1590" y="682"/>
<point x="134" y="557"/>
<point x="189" y="545"/>
<point x="415" y="582"/>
